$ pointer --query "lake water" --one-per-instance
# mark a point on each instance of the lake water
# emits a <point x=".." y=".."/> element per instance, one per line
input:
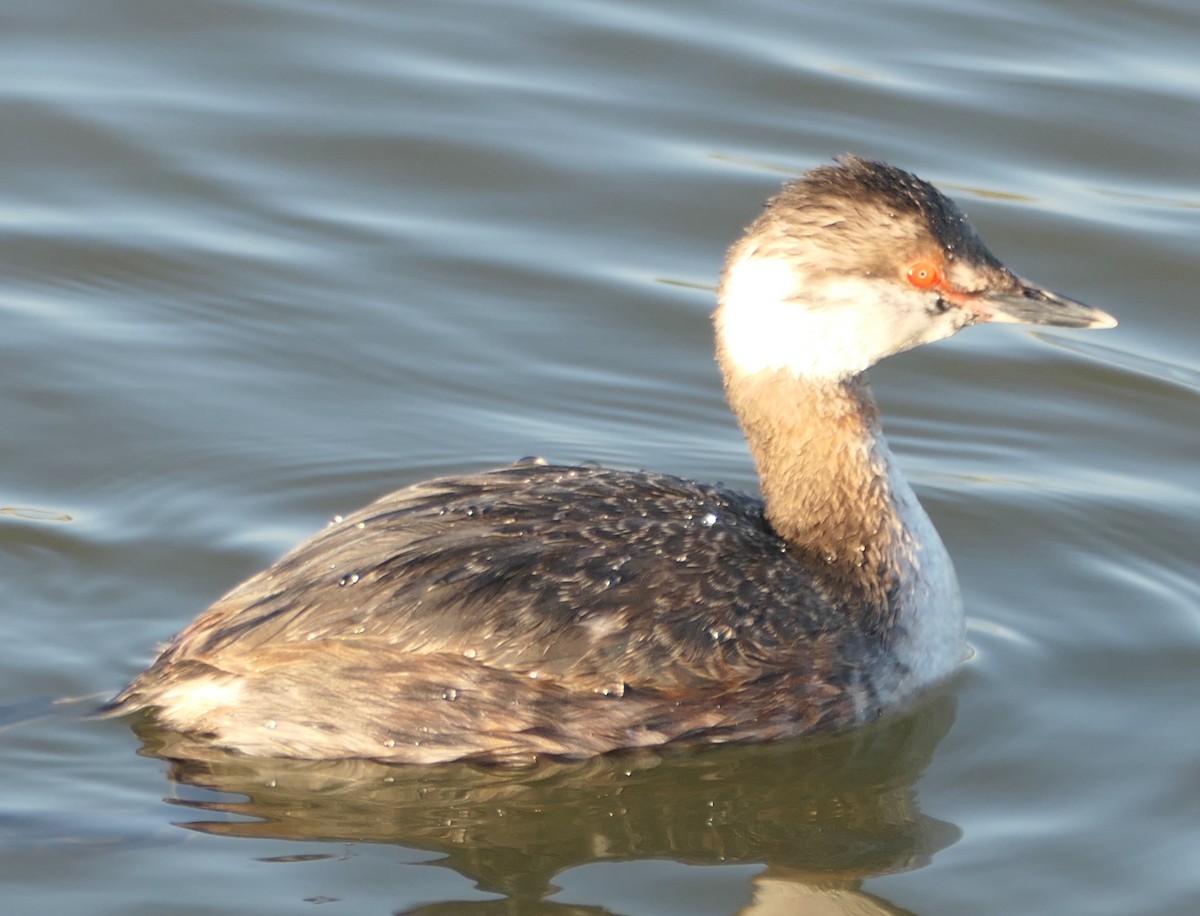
<point x="261" y="261"/>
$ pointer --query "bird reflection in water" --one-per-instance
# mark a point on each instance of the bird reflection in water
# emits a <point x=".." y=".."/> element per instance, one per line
<point x="822" y="815"/>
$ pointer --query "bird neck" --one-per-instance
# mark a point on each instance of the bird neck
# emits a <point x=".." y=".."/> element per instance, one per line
<point x="828" y="480"/>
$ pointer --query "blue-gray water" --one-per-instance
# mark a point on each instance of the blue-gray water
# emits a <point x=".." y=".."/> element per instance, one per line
<point x="261" y="261"/>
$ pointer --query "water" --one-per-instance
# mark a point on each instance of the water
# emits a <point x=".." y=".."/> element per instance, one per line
<point x="263" y="261"/>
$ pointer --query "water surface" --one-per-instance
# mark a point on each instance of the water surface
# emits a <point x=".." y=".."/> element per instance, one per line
<point x="264" y="261"/>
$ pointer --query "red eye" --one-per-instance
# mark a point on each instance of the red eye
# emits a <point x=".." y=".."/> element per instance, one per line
<point x="924" y="273"/>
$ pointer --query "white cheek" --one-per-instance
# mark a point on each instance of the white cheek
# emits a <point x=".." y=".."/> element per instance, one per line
<point x="765" y="326"/>
<point x="766" y="322"/>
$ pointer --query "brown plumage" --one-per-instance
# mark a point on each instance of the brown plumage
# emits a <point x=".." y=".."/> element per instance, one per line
<point x="572" y="611"/>
<point x="514" y="613"/>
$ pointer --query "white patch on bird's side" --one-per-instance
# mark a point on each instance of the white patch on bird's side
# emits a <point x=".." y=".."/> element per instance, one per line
<point x="193" y="700"/>
<point x="770" y="320"/>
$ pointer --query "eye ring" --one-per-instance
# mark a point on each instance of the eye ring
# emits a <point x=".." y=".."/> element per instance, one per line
<point x="924" y="273"/>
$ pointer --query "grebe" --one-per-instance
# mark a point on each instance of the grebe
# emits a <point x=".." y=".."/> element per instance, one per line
<point x="572" y="611"/>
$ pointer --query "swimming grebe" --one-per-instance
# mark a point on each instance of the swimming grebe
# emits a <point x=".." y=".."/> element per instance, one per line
<point x="575" y="610"/>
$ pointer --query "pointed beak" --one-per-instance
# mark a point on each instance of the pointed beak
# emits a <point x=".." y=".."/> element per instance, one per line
<point x="1029" y="304"/>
